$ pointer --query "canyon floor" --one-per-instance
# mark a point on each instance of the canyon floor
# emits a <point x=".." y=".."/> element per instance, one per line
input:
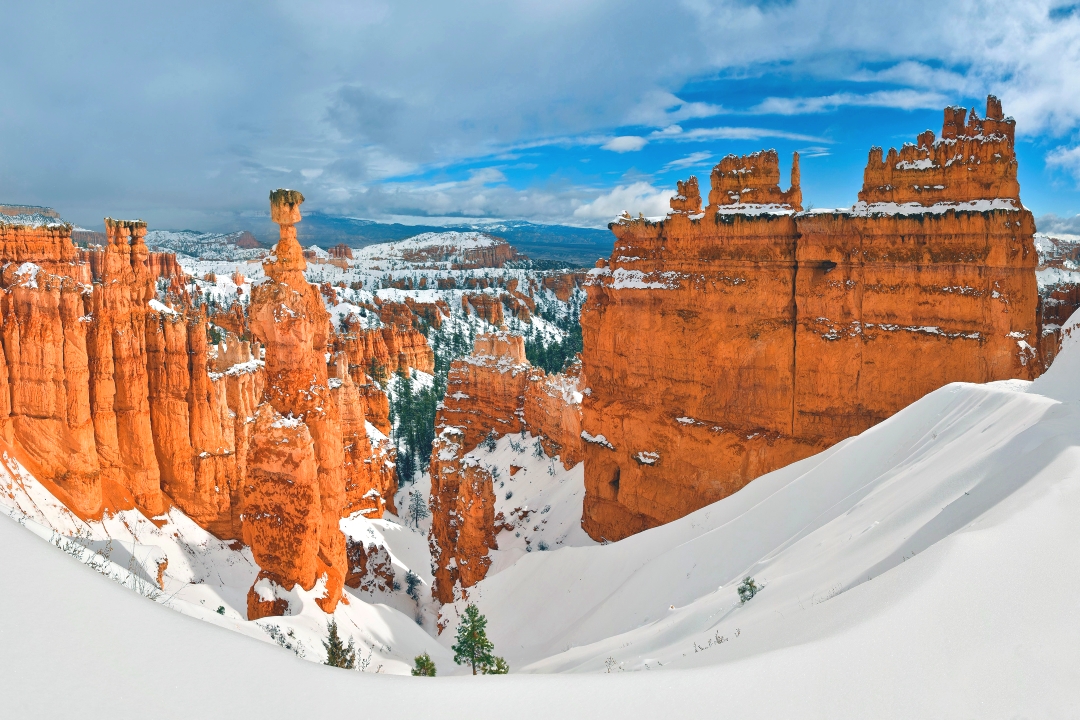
<point x="928" y="567"/>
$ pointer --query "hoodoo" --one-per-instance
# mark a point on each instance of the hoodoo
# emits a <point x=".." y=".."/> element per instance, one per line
<point x="116" y="398"/>
<point x="295" y="489"/>
<point x="721" y="345"/>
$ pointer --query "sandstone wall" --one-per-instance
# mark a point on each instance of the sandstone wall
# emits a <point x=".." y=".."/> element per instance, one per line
<point x="495" y="391"/>
<point x="119" y="401"/>
<point x="725" y="344"/>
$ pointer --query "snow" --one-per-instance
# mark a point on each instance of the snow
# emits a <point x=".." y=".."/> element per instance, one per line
<point x="597" y="439"/>
<point x="27" y="274"/>
<point x="1049" y="277"/>
<point x="867" y="209"/>
<point x="430" y="249"/>
<point x="623" y="279"/>
<point x="755" y="209"/>
<point x="928" y="567"/>
<point x="920" y="164"/>
<point x="32" y="220"/>
<point x="160" y="307"/>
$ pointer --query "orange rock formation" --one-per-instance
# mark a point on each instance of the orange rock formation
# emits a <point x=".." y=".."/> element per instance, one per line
<point x="117" y="399"/>
<point x="494" y="390"/>
<point x="295" y="489"/>
<point x="722" y="347"/>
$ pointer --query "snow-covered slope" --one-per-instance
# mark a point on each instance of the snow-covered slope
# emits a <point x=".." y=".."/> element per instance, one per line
<point x="426" y="249"/>
<point x="929" y="567"/>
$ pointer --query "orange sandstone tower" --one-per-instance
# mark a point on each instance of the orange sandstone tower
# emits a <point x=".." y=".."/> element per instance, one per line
<point x="721" y="345"/>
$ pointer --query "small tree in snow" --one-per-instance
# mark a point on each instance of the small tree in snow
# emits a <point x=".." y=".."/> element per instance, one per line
<point x="337" y="653"/>
<point x="473" y="647"/>
<point x="412" y="582"/>
<point x="498" y="667"/>
<point x="418" y="509"/>
<point x="490" y="441"/>
<point x="748" y="589"/>
<point x="424" y="666"/>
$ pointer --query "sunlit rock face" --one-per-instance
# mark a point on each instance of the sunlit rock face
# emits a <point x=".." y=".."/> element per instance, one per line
<point x="295" y="490"/>
<point x="493" y="392"/>
<point x="722" y="344"/>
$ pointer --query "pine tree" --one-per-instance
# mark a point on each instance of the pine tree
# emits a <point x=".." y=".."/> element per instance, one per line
<point x="748" y="589"/>
<point x="418" y="509"/>
<point x="424" y="666"/>
<point x="337" y="653"/>
<point x="498" y="667"/>
<point x="412" y="582"/>
<point x="473" y="647"/>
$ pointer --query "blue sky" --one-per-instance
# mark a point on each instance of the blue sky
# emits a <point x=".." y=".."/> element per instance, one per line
<point x="544" y="110"/>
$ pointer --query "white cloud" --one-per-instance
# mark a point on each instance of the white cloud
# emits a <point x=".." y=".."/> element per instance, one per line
<point x="690" y="160"/>
<point x="902" y="99"/>
<point x="659" y="108"/>
<point x="625" y="143"/>
<point x="1065" y="158"/>
<point x="639" y="197"/>
<point x="372" y="91"/>
<point x="677" y="134"/>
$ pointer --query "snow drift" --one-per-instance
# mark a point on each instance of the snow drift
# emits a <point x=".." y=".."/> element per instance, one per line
<point x="927" y="568"/>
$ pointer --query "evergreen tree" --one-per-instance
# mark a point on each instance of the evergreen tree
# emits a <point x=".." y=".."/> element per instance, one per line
<point x="498" y="667"/>
<point x="473" y="647"/>
<point x="748" y="589"/>
<point x="406" y="465"/>
<point x="337" y="653"/>
<point x="424" y="666"/>
<point x="412" y="582"/>
<point x="418" y="509"/>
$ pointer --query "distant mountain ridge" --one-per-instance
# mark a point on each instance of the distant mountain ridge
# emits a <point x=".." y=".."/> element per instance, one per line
<point x="580" y="246"/>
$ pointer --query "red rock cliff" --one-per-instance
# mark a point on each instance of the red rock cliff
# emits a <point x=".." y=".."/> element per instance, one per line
<point x="496" y="391"/>
<point x="720" y="348"/>
<point x="117" y="400"/>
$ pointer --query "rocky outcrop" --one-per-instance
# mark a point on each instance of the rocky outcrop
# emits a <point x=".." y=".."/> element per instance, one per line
<point x="370" y="566"/>
<point x="113" y="393"/>
<point x="564" y="284"/>
<point x="159" y="264"/>
<point x="722" y="346"/>
<point x="462" y="516"/>
<point x="485" y="307"/>
<point x="370" y="478"/>
<point x="341" y="251"/>
<point x="552" y="411"/>
<point x="493" y="392"/>
<point x="748" y="180"/>
<point x="294" y="494"/>
<point x="407" y="349"/>
<point x="381" y="348"/>
<point x="973" y="160"/>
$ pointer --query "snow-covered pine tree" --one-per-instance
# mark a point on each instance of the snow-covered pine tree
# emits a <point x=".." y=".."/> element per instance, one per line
<point x="418" y="509"/>
<point x="424" y="666"/>
<point x="337" y="653"/>
<point x="473" y="647"/>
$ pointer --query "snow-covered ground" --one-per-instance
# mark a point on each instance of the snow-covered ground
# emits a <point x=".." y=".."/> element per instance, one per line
<point x="926" y="568"/>
<point x="929" y="567"/>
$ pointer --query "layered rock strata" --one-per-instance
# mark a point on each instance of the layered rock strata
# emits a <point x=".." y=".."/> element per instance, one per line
<point x="493" y="392"/>
<point x="720" y="346"/>
<point x="294" y="494"/>
<point x="114" y="395"/>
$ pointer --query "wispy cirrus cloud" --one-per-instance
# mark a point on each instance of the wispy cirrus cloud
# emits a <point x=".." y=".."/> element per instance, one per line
<point x="901" y="99"/>
<point x="676" y="133"/>
<point x="690" y="160"/>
